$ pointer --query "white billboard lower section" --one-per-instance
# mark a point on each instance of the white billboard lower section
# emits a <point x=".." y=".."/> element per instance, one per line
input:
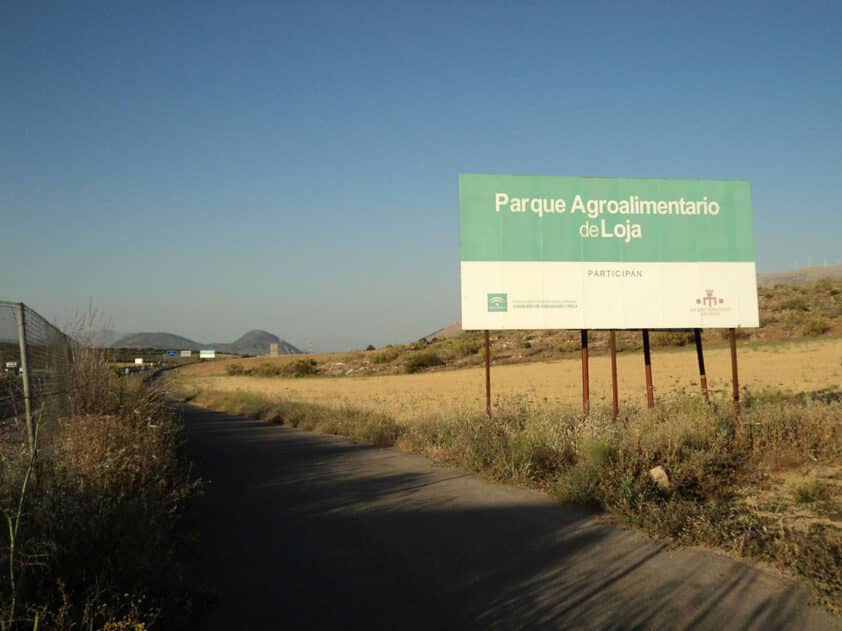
<point x="553" y="295"/>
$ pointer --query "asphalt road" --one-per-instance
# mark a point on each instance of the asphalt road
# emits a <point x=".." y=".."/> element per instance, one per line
<point x="305" y="531"/>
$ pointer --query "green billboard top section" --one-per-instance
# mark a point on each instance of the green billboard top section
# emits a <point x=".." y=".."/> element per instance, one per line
<point x="545" y="218"/>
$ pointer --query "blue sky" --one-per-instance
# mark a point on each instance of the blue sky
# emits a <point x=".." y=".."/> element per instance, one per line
<point x="206" y="168"/>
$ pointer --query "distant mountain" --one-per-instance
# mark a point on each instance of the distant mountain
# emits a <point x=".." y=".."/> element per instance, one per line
<point x="103" y="338"/>
<point x="157" y="340"/>
<point x="799" y="276"/>
<point x="254" y="342"/>
<point x="257" y="342"/>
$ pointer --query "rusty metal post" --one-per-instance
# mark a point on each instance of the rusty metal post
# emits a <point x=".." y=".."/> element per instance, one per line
<point x="647" y="361"/>
<point x="697" y="333"/>
<point x="487" y="373"/>
<point x="24" y="369"/>
<point x="734" y="378"/>
<point x="586" y="385"/>
<point x="612" y="347"/>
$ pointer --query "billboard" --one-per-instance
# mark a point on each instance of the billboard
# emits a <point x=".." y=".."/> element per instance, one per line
<point x="207" y="354"/>
<point x="542" y="252"/>
<point x="186" y="353"/>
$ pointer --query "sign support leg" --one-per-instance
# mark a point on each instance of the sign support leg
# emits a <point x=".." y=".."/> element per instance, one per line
<point x="487" y="373"/>
<point x="647" y="361"/>
<point x="734" y="378"/>
<point x="586" y="386"/>
<point x="612" y="347"/>
<point x="700" y="355"/>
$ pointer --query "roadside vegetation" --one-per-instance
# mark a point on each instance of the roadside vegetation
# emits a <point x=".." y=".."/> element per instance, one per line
<point x="97" y="536"/>
<point x="767" y="486"/>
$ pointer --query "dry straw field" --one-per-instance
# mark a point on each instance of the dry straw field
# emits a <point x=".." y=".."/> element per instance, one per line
<point x="809" y="365"/>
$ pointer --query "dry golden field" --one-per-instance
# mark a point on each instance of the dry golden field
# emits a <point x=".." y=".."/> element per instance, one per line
<point x="802" y="366"/>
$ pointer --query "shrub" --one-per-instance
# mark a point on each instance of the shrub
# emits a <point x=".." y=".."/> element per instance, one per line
<point x="300" y="368"/>
<point x="824" y="284"/>
<point x="387" y="355"/>
<point x="816" y="327"/>
<point x="672" y="338"/>
<point x="811" y="492"/>
<point x="422" y="359"/>
<point x="797" y="303"/>
<point x="463" y="346"/>
<point x="267" y="370"/>
<point x="235" y="369"/>
<point x="104" y="520"/>
<point x="419" y="345"/>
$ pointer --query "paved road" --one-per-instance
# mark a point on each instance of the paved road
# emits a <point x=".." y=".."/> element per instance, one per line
<point x="309" y="531"/>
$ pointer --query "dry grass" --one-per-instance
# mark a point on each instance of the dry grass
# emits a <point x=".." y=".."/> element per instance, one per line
<point x="102" y="539"/>
<point x="766" y="487"/>
<point x="804" y="366"/>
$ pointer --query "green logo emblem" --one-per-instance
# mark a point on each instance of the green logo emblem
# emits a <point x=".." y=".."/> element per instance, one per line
<point x="498" y="302"/>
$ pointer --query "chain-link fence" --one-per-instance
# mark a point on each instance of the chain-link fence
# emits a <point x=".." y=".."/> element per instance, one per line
<point x="34" y="360"/>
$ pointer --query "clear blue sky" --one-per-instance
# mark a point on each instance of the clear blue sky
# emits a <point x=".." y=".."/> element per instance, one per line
<point x="206" y="168"/>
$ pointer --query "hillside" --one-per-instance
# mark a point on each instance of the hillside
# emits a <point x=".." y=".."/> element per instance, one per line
<point x="255" y="342"/>
<point x="451" y="330"/>
<point x="156" y="340"/>
<point x="800" y="276"/>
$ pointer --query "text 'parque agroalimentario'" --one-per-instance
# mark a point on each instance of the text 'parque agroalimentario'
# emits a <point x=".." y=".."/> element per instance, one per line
<point x="593" y="210"/>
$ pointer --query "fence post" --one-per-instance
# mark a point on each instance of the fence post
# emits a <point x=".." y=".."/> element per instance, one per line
<point x="24" y="368"/>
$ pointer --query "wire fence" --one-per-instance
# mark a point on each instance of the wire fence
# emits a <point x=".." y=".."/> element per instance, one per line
<point x="34" y="359"/>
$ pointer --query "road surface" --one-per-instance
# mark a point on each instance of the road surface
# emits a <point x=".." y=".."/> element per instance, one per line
<point x="302" y="530"/>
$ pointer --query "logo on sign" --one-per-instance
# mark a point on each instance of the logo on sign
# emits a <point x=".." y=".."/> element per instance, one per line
<point x="498" y="302"/>
<point x="711" y="305"/>
<point x="709" y="299"/>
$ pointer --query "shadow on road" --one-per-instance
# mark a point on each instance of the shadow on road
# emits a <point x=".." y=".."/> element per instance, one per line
<point x="309" y="531"/>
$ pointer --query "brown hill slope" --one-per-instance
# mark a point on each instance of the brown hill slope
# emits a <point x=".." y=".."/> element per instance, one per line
<point x="800" y="276"/>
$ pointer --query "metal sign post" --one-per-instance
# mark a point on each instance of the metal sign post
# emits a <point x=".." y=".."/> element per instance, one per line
<point x="586" y="386"/>
<point x="647" y="361"/>
<point x="487" y="374"/>
<point x="612" y="347"/>
<point x="697" y="333"/>
<point x="734" y="378"/>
